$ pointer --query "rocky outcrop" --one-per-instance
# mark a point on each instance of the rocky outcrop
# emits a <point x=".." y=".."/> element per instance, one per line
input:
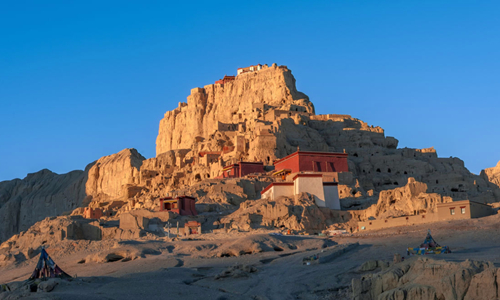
<point x="23" y="202"/>
<point x="408" y="200"/>
<point x="111" y="175"/>
<point x="48" y="232"/>
<point x="492" y="174"/>
<point x="231" y="107"/>
<point x="430" y="279"/>
<point x="298" y="213"/>
<point x="60" y="231"/>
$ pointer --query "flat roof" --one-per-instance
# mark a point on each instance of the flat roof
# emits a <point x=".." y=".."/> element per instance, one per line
<point x="172" y="198"/>
<point x="310" y="153"/>
<point x="307" y="175"/>
<point x="243" y="163"/>
<point x="252" y="162"/>
<point x="453" y="203"/>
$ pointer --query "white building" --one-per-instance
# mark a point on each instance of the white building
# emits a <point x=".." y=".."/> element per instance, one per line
<point x="326" y="194"/>
<point x="249" y="69"/>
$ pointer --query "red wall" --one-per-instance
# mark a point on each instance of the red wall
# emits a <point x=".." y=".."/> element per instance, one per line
<point x="291" y="163"/>
<point x="186" y="206"/>
<point x="242" y="169"/>
<point x="249" y="168"/>
<point x="233" y="172"/>
<point x="162" y="205"/>
<point x="310" y="161"/>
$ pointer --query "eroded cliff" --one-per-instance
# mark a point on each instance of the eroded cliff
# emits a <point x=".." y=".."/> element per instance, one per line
<point x="26" y="201"/>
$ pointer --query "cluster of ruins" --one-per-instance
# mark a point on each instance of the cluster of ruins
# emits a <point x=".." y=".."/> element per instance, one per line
<point x="456" y="210"/>
<point x="259" y="138"/>
<point x="97" y="213"/>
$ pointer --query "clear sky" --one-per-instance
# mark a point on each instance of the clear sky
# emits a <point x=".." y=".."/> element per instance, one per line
<point x="86" y="79"/>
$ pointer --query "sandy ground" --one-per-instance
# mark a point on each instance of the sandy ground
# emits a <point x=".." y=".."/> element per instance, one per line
<point x="192" y="269"/>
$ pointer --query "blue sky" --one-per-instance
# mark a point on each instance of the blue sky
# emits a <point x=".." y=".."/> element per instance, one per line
<point x="82" y="80"/>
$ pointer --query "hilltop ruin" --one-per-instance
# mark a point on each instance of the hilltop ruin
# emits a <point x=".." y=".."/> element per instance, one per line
<point x="248" y="122"/>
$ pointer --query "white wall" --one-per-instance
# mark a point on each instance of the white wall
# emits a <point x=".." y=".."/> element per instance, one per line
<point x="332" y="200"/>
<point x="282" y="190"/>
<point x="313" y="186"/>
<point x="324" y="196"/>
<point x="277" y="191"/>
<point x="267" y="194"/>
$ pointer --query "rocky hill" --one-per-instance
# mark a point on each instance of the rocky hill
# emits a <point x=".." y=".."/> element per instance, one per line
<point x="41" y="194"/>
<point x="245" y="107"/>
<point x="259" y="116"/>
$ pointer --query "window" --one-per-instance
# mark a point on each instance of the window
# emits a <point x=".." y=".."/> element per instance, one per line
<point x="462" y="209"/>
<point x="317" y="166"/>
<point x="452" y="211"/>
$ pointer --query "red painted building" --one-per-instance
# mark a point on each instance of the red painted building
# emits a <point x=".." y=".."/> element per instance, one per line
<point x="241" y="169"/>
<point x="312" y="161"/>
<point x="183" y="205"/>
<point x="225" y="79"/>
<point x="192" y="227"/>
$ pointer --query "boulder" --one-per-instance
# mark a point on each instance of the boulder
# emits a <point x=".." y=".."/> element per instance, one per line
<point x="372" y="265"/>
<point x="48" y="285"/>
